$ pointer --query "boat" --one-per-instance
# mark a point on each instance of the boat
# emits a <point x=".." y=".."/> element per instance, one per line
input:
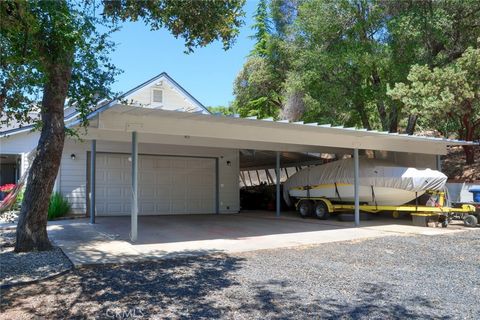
<point x="380" y="182"/>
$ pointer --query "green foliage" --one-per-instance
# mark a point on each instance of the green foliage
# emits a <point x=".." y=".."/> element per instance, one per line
<point x="36" y="36"/>
<point x="341" y="56"/>
<point x="255" y="90"/>
<point x="58" y="206"/>
<point x="197" y="22"/>
<point x="445" y="98"/>
<point x="259" y="87"/>
<point x="19" y="199"/>
<point x="262" y="29"/>
<point x="431" y="32"/>
<point x="227" y="111"/>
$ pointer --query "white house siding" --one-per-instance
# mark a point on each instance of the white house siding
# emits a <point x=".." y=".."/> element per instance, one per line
<point x="22" y="144"/>
<point x="172" y="98"/>
<point x="73" y="173"/>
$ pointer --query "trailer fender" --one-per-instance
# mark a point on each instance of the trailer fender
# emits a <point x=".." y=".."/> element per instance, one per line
<point x="327" y="203"/>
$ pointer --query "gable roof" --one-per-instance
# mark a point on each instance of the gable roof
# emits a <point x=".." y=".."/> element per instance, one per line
<point x="176" y="85"/>
<point x="106" y="104"/>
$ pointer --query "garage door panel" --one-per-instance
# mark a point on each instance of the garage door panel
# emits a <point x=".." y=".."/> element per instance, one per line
<point x="115" y="208"/>
<point x="147" y="178"/>
<point x="146" y="193"/>
<point x="163" y="163"/>
<point x="162" y="191"/>
<point x="147" y="162"/>
<point x="146" y="207"/>
<point x="167" y="185"/>
<point x="163" y="206"/>
<point x="114" y="191"/>
<point x="178" y="206"/>
<point x="163" y="179"/>
<point x="179" y="164"/>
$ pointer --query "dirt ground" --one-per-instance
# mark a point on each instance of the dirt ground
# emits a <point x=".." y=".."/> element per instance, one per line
<point x="453" y="165"/>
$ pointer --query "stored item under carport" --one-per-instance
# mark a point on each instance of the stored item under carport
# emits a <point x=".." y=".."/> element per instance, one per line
<point x="383" y="186"/>
<point x="433" y="211"/>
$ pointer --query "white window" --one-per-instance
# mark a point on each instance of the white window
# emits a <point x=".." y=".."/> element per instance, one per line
<point x="157" y="96"/>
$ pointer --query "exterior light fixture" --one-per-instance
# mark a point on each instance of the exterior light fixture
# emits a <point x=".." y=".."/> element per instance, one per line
<point x="229" y="163"/>
<point x="73" y="156"/>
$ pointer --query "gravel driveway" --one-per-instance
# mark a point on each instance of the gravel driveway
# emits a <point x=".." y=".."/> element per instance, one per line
<point x="384" y="278"/>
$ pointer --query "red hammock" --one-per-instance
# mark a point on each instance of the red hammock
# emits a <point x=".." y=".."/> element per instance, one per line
<point x="9" y="201"/>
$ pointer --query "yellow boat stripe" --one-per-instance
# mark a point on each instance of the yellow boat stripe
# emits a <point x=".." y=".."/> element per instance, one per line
<point x="323" y="186"/>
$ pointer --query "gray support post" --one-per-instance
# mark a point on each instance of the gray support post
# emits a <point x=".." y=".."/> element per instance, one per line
<point x="134" y="215"/>
<point x="356" y="187"/>
<point x="217" y="186"/>
<point x="277" y="175"/>
<point x="93" y="169"/>
<point x="439" y="163"/>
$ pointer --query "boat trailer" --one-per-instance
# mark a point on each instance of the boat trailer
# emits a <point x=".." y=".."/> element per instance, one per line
<point x="434" y="211"/>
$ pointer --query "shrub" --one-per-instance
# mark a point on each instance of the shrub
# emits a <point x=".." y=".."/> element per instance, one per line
<point x="18" y="201"/>
<point x="58" y="206"/>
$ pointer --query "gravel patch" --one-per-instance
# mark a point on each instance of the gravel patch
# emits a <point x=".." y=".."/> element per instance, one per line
<point x="18" y="268"/>
<point x="393" y="277"/>
<point x="9" y="216"/>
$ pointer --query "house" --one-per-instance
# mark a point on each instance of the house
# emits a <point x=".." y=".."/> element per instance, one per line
<point x="190" y="170"/>
<point x="157" y="150"/>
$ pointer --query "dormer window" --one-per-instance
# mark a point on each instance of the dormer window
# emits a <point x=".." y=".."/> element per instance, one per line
<point x="157" y="96"/>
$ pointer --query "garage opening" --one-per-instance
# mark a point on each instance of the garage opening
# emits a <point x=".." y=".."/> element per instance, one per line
<point x="258" y="175"/>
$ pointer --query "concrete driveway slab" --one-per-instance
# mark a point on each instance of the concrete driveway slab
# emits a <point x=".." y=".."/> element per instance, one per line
<point x="164" y="236"/>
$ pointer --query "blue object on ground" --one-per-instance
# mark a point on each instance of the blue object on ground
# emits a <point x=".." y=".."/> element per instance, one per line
<point x="476" y="193"/>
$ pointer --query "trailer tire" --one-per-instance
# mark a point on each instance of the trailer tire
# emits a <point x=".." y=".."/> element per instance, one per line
<point x="305" y="208"/>
<point x="321" y="210"/>
<point x="470" y="221"/>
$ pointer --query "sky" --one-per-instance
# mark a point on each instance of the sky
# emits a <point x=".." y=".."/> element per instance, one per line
<point x="208" y="73"/>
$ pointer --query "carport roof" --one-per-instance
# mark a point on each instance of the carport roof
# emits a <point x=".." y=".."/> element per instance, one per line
<point x="184" y="128"/>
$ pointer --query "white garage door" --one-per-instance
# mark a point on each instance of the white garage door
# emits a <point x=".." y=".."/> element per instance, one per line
<point x="167" y="185"/>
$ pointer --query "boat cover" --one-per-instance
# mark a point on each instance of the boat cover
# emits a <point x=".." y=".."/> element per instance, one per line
<point x="372" y="172"/>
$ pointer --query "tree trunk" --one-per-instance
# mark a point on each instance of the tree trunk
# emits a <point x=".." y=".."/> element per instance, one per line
<point x="294" y="108"/>
<point x="380" y="103"/>
<point x="393" y="118"/>
<point x="360" y="107"/>
<point x="469" y="130"/>
<point x="412" y="121"/>
<point x="32" y="223"/>
<point x="469" y="154"/>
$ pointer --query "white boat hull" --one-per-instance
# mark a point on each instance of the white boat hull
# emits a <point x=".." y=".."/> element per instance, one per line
<point x="379" y="196"/>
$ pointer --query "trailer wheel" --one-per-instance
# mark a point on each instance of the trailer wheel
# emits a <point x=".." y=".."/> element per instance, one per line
<point x="305" y="208"/>
<point x="396" y="214"/>
<point x="321" y="210"/>
<point x="470" y="221"/>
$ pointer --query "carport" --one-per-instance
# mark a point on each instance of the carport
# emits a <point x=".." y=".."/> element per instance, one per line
<point x="122" y="123"/>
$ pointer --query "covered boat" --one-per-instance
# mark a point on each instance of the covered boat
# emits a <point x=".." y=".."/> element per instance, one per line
<point x="381" y="182"/>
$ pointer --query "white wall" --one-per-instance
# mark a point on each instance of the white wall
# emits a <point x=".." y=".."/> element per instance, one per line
<point x="73" y="173"/>
<point x="458" y="191"/>
<point x="172" y="98"/>
<point x="22" y="144"/>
